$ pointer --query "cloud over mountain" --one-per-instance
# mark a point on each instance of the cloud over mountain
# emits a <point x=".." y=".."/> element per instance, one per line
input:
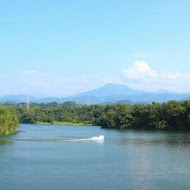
<point x="140" y="70"/>
<point x="142" y="76"/>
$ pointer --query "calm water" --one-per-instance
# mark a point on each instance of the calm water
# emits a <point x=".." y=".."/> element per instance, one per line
<point x="44" y="157"/>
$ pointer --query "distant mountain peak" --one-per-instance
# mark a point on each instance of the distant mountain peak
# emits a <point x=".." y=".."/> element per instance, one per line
<point x="110" y="89"/>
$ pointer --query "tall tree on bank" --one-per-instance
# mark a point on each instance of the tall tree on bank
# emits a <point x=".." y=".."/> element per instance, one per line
<point x="8" y="121"/>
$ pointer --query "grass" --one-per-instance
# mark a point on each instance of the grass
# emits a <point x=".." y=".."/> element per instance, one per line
<point x="63" y="123"/>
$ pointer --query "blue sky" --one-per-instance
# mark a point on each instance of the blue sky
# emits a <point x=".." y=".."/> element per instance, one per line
<point x="62" y="47"/>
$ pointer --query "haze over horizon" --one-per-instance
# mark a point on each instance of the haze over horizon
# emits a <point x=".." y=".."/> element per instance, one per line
<point x="107" y="87"/>
<point x="61" y="48"/>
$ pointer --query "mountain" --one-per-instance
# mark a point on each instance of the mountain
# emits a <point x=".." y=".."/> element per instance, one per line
<point x="110" y="90"/>
<point x="115" y="93"/>
<point x="153" y="97"/>
<point x="110" y="93"/>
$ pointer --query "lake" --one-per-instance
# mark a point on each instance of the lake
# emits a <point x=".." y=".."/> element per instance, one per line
<point x="50" y="157"/>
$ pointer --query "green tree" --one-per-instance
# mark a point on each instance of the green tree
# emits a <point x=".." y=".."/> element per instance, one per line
<point x="8" y="121"/>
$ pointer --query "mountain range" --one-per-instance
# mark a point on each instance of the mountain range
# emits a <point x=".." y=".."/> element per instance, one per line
<point x="108" y="94"/>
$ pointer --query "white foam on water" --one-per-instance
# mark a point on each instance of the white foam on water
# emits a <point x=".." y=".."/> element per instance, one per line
<point x="99" y="138"/>
<point x="95" y="138"/>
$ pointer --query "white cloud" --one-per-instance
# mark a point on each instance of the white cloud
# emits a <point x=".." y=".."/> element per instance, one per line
<point x="141" y="76"/>
<point x="176" y="76"/>
<point x="140" y="70"/>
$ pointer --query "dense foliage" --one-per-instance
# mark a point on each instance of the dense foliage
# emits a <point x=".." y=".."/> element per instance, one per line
<point x="166" y="116"/>
<point x="8" y="121"/>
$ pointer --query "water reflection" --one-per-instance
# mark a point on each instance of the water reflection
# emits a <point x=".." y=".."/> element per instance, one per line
<point x="166" y="139"/>
<point x="5" y="142"/>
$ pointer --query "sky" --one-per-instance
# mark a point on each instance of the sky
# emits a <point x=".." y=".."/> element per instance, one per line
<point x="63" y="47"/>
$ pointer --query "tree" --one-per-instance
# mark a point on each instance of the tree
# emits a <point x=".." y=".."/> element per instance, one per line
<point x="8" y="121"/>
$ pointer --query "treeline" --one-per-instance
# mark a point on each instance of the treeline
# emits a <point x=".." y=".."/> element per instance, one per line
<point x="53" y="112"/>
<point x="172" y="115"/>
<point x="8" y="121"/>
<point x="166" y="116"/>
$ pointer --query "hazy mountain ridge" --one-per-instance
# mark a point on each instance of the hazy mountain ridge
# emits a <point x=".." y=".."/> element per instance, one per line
<point x="112" y="93"/>
<point x="110" y="90"/>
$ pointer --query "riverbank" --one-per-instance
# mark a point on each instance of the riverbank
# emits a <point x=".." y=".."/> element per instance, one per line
<point x="63" y="123"/>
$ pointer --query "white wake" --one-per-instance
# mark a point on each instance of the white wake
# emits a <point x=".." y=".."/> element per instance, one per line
<point x="95" y="138"/>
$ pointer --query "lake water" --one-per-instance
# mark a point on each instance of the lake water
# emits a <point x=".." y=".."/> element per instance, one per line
<point x="49" y="157"/>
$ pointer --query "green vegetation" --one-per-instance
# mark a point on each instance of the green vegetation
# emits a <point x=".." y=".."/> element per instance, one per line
<point x="63" y="123"/>
<point x="8" y="121"/>
<point x="167" y="116"/>
<point x="172" y="115"/>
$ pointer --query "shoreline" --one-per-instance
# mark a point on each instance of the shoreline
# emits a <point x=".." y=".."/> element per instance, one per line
<point x="63" y="123"/>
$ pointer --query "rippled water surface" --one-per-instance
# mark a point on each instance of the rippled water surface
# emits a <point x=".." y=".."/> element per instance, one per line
<point x="49" y="157"/>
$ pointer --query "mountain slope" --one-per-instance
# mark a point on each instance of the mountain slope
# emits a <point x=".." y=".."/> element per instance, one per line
<point x="110" y="90"/>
